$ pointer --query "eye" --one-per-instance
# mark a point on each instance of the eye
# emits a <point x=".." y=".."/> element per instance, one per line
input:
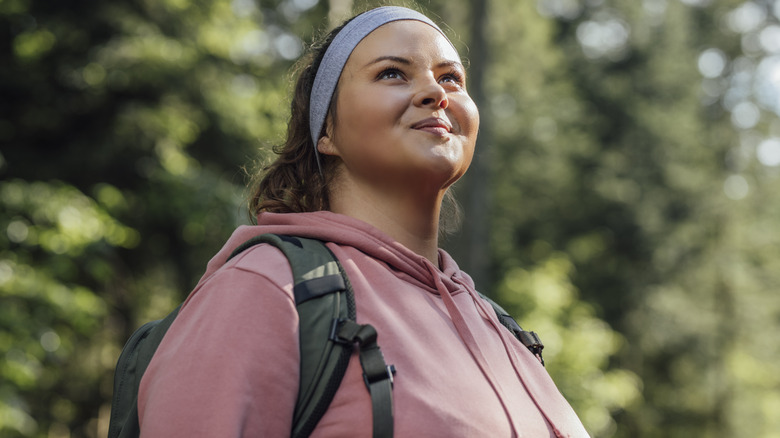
<point x="390" y="73"/>
<point x="454" y="77"/>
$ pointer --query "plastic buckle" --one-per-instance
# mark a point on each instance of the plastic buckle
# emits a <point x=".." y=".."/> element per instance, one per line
<point x="390" y="372"/>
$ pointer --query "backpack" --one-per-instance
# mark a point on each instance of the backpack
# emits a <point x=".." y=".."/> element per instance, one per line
<point x="329" y="334"/>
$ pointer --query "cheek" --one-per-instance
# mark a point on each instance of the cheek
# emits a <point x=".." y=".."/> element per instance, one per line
<point x="373" y="105"/>
<point x="470" y="119"/>
<point x="469" y="122"/>
<point x="365" y="127"/>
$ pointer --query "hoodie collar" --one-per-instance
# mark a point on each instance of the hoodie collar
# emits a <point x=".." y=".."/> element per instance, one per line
<point x="348" y="231"/>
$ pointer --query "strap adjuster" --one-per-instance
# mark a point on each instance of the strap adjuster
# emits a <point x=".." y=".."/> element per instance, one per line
<point x="387" y="375"/>
<point x="377" y="375"/>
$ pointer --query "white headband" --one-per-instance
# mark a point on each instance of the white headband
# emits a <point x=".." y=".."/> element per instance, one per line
<point x="336" y="56"/>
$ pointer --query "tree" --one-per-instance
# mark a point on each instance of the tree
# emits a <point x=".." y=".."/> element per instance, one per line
<point x="615" y="153"/>
<point x="124" y="127"/>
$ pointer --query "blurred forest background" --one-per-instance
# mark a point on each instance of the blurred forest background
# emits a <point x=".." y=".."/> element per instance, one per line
<point x="623" y="202"/>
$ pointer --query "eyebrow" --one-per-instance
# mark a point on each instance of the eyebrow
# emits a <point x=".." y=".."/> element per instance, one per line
<point x="406" y="61"/>
<point x="397" y="59"/>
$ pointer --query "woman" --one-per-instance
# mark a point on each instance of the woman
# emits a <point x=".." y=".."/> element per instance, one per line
<point x="381" y="127"/>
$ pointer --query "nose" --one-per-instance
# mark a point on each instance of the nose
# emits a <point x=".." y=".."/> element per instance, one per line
<point x="431" y="95"/>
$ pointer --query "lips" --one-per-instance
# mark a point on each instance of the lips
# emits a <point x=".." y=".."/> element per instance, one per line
<point x="434" y="124"/>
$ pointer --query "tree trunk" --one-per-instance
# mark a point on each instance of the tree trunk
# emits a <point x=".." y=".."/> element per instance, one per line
<point x="471" y="247"/>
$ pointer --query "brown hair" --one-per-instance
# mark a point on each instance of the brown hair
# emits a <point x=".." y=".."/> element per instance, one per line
<point x="293" y="183"/>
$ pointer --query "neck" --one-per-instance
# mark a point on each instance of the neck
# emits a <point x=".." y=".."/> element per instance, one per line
<point x="411" y="219"/>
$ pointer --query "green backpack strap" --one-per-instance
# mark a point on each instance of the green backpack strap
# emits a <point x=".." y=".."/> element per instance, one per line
<point x="529" y="339"/>
<point x="132" y="363"/>
<point x="329" y="335"/>
<point x="326" y="306"/>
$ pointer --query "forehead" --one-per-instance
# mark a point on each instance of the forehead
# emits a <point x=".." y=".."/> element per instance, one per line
<point x="404" y="38"/>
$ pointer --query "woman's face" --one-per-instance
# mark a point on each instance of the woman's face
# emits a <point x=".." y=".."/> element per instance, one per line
<point x="403" y="116"/>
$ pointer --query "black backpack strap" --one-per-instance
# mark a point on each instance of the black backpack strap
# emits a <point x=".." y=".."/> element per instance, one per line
<point x="529" y="339"/>
<point x="329" y="334"/>
<point x="377" y="375"/>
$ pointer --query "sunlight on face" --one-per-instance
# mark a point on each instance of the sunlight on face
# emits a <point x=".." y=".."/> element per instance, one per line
<point x="403" y="115"/>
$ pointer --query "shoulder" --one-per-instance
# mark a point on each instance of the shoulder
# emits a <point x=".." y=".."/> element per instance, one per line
<point x="264" y="260"/>
<point x="262" y="266"/>
<point x="236" y="337"/>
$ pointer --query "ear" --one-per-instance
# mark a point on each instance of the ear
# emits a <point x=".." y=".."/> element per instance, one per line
<point x="325" y="146"/>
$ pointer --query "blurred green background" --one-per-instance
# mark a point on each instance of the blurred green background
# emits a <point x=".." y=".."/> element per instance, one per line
<point x="623" y="202"/>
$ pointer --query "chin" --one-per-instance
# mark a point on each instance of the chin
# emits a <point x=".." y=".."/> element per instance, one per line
<point x="447" y="171"/>
<point x="450" y="157"/>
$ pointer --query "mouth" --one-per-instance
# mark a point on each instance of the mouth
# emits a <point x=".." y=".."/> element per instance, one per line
<point x="434" y="125"/>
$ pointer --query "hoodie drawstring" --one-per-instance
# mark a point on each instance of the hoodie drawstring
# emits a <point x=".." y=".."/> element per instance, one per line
<point x="461" y="326"/>
<point x="505" y="340"/>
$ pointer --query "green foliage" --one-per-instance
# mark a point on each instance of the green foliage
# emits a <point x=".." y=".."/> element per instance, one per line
<point x="59" y="219"/>
<point x="124" y="127"/>
<point x="632" y="184"/>
<point x="616" y="148"/>
<point x="50" y="313"/>
<point x="578" y="345"/>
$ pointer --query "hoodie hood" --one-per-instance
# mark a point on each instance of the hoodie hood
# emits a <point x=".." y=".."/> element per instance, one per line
<point x="344" y="230"/>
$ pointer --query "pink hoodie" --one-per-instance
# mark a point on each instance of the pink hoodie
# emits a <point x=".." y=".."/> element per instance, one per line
<point x="228" y="366"/>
